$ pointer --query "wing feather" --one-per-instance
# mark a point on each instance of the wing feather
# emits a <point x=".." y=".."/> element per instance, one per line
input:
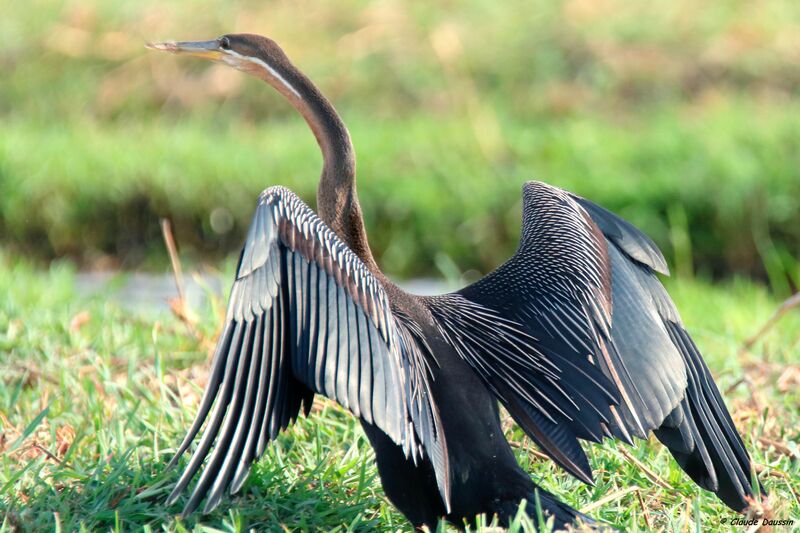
<point x="583" y="292"/>
<point x="305" y="315"/>
<point x="665" y="384"/>
<point x="533" y="327"/>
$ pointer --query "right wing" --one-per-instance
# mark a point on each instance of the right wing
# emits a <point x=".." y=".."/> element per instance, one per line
<point x="305" y="315"/>
<point x="539" y="330"/>
<point x="534" y="328"/>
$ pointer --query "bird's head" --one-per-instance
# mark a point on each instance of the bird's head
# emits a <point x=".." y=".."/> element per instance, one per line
<point x="263" y="58"/>
<point x="254" y="54"/>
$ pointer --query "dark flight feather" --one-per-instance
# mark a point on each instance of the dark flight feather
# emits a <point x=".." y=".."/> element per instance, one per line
<point x="533" y="327"/>
<point x="666" y="385"/>
<point x="580" y="300"/>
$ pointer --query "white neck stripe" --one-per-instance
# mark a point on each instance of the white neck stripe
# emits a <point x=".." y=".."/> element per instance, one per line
<point x="262" y="64"/>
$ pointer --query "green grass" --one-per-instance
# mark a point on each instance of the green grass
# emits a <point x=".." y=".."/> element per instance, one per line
<point x="93" y="400"/>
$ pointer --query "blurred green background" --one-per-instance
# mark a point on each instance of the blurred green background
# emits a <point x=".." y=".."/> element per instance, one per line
<point x="683" y="117"/>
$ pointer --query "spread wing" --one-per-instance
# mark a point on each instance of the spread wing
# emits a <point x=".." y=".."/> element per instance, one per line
<point x="534" y="327"/>
<point x="666" y="385"/>
<point x="305" y="316"/>
<point x="581" y="295"/>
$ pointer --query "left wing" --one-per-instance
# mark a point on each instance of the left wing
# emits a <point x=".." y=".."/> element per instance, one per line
<point x="306" y="316"/>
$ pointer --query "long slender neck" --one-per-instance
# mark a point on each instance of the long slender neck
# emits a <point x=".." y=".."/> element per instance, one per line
<point x="337" y="200"/>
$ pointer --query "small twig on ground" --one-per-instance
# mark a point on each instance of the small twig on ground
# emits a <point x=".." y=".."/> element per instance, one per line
<point x="169" y="241"/>
<point x="779" y="447"/>
<point x="180" y="307"/>
<point x="652" y="476"/>
<point x="645" y="514"/>
<point x="610" y="498"/>
<point x="733" y="386"/>
<point x="41" y="449"/>
<point x="49" y="455"/>
<point x="785" y="307"/>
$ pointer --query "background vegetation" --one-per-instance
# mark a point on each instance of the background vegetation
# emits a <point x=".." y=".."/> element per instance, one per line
<point x="682" y="116"/>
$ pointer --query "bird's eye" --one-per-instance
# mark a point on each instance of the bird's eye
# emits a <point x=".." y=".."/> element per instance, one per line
<point x="224" y="43"/>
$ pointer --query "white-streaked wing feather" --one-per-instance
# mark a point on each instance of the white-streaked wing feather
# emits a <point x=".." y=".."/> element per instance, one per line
<point x="305" y="316"/>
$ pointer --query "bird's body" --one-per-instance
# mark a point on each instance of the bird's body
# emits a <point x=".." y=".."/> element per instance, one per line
<point x="574" y="336"/>
<point x="484" y="476"/>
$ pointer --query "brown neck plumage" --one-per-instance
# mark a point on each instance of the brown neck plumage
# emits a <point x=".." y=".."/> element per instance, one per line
<point x="337" y="200"/>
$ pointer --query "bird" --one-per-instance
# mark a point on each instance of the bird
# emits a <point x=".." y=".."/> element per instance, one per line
<point x="574" y="336"/>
